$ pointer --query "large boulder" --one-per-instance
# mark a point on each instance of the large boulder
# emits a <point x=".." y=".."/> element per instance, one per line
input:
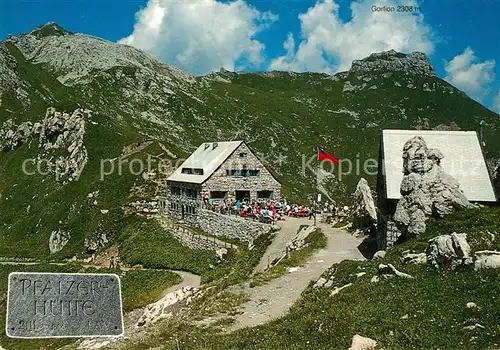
<point x="426" y="190"/>
<point x="57" y="240"/>
<point x="487" y="259"/>
<point x="362" y="343"/>
<point x="450" y="249"/>
<point x="364" y="212"/>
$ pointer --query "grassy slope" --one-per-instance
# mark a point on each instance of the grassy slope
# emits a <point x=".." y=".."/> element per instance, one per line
<point x="53" y="205"/>
<point x="146" y="243"/>
<point x="434" y="302"/>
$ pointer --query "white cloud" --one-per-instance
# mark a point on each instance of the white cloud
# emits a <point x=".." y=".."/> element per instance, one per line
<point x="329" y="44"/>
<point x="200" y="36"/>
<point x="468" y="74"/>
<point x="496" y="103"/>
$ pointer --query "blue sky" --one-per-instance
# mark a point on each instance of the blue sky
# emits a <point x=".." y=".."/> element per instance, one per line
<point x="461" y="38"/>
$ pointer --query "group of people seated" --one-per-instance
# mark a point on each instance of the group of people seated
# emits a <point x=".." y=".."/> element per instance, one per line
<point x="261" y="210"/>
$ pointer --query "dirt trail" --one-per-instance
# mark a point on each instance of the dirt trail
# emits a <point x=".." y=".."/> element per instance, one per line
<point x="273" y="299"/>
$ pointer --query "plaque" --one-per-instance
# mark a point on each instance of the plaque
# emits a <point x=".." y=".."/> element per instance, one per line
<point x="58" y="305"/>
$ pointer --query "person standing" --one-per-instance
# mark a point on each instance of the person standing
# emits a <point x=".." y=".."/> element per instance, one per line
<point x="205" y="199"/>
<point x="112" y="262"/>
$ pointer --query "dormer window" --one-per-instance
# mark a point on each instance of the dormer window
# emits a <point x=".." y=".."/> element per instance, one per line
<point x="191" y="171"/>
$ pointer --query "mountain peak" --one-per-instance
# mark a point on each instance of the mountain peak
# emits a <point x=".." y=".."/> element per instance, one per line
<point x="387" y="61"/>
<point x="49" y="29"/>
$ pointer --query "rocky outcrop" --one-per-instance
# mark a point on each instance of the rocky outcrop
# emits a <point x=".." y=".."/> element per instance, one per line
<point x="57" y="240"/>
<point x="95" y="242"/>
<point x="496" y="179"/>
<point x="364" y="212"/>
<point x="391" y="61"/>
<point x="487" y="259"/>
<point x="452" y="250"/>
<point x="57" y="131"/>
<point x="426" y="191"/>
<point x="164" y="307"/>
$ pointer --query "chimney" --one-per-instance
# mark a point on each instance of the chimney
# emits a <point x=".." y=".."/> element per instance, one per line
<point x="214" y="145"/>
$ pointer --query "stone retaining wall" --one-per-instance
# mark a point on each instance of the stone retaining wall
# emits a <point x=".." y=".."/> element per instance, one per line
<point x="230" y="226"/>
<point x="189" y="238"/>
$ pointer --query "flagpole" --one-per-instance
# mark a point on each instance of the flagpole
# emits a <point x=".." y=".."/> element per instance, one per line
<point x="316" y="192"/>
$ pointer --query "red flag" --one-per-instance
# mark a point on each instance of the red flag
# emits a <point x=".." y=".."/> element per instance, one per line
<point x="324" y="155"/>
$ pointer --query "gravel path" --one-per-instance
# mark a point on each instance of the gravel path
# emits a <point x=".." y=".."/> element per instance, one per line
<point x="272" y="300"/>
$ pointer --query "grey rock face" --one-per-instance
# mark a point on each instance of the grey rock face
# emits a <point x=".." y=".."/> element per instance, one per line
<point x="364" y="212"/>
<point x="426" y="190"/>
<point x="56" y="131"/>
<point x="75" y="58"/>
<point x="392" y="61"/>
<point x="496" y="179"/>
<point x="453" y="249"/>
<point x="94" y="243"/>
<point x="57" y="240"/>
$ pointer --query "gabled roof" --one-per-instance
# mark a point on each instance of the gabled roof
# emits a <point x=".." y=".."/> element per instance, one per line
<point x="206" y="157"/>
<point x="463" y="159"/>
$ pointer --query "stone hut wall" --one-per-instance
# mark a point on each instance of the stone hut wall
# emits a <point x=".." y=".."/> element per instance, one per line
<point x="176" y="204"/>
<point x="222" y="181"/>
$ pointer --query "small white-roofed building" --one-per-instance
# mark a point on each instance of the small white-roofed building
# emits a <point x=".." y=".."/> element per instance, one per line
<point x="223" y="171"/>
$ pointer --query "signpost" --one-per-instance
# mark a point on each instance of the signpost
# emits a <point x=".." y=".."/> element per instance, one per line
<point x="59" y="305"/>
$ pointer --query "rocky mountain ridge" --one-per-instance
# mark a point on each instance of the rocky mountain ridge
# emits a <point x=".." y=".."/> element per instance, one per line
<point x="74" y="57"/>
<point x="391" y="61"/>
